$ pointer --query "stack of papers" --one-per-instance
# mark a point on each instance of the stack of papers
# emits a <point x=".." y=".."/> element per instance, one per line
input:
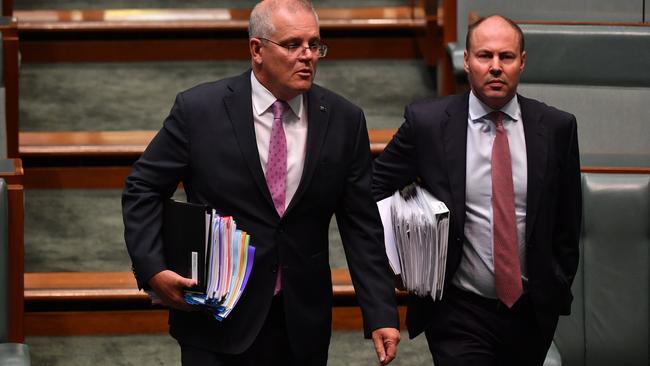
<point x="229" y="262"/>
<point x="416" y="231"/>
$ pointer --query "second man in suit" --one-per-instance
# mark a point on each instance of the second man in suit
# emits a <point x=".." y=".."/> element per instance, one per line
<point x="282" y="156"/>
<point x="508" y="169"/>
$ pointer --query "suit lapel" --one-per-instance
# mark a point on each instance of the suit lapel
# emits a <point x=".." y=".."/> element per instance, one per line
<point x="317" y="121"/>
<point x="454" y="131"/>
<point x="239" y="107"/>
<point x="536" y="152"/>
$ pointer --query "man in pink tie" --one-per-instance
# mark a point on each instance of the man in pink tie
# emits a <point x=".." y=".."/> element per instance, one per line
<point x="282" y="156"/>
<point x="508" y="169"/>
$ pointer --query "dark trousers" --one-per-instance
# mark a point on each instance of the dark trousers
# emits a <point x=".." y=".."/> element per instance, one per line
<point x="270" y="348"/>
<point x="469" y="329"/>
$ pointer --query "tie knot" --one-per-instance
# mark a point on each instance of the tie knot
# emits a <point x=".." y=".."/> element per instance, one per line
<point x="278" y="109"/>
<point x="496" y="117"/>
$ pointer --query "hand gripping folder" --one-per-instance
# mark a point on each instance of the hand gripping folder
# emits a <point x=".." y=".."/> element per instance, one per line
<point x="207" y="247"/>
<point x="416" y="231"/>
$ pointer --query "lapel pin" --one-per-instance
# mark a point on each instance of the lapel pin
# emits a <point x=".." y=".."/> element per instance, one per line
<point x="323" y="109"/>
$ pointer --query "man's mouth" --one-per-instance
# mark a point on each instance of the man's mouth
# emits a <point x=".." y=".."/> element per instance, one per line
<point x="304" y="72"/>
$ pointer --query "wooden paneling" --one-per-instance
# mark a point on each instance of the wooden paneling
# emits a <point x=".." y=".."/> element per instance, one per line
<point x="349" y="318"/>
<point x="214" y="19"/>
<point x="120" y="143"/>
<point x="17" y="263"/>
<point x="209" y="34"/>
<point x="85" y="303"/>
<point x="69" y="323"/>
<point x="16" y="251"/>
<point x="74" y="323"/>
<point x="615" y="170"/>
<point x="66" y="287"/>
<point x="53" y="51"/>
<point x="7" y="7"/>
<point x="391" y="46"/>
<point x="76" y="177"/>
<point x="95" y="143"/>
<point x="446" y="77"/>
<point x="10" y="69"/>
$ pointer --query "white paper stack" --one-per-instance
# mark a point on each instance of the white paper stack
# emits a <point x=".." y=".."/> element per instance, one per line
<point x="416" y="231"/>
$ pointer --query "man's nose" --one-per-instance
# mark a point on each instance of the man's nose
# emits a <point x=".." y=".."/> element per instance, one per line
<point x="495" y="66"/>
<point x="306" y="53"/>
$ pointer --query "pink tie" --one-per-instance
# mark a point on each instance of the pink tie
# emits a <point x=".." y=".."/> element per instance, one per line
<point x="276" y="168"/>
<point x="507" y="270"/>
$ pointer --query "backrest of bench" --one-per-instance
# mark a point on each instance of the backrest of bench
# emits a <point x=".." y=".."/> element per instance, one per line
<point x="610" y="318"/>
<point x="616" y="268"/>
<point x="600" y="74"/>
<point x="623" y="11"/>
<point x="605" y="55"/>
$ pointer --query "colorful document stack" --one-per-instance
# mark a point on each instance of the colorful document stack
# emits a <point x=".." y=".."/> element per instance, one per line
<point x="229" y="264"/>
<point x="207" y="247"/>
<point x="416" y="231"/>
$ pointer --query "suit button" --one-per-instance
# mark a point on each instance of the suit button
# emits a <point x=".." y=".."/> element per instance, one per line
<point x="458" y="240"/>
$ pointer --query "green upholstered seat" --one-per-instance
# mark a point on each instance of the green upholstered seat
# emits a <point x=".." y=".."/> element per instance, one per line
<point x="610" y="320"/>
<point x="598" y="73"/>
<point x="14" y="354"/>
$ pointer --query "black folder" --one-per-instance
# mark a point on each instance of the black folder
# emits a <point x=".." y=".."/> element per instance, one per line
<point x="185" y="236"/>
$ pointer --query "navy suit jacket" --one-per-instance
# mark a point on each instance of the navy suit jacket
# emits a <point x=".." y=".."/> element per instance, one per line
<point x="431" y="147"/>
<point x="208" y="143"/>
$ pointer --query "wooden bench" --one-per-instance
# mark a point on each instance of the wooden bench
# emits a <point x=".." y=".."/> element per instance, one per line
<point x="213" y="34"/>
<point x="110" y="303"/>
<point x="55" y="157"/>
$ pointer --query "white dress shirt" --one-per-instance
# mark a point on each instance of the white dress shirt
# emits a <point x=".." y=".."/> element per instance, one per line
<point x="294" y="122"/>
<point x="476" y="270"/>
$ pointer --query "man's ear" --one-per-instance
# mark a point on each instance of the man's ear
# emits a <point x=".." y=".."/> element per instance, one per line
<point x="523" y="61"/>
<point x="466" y="61"/>
<point x="255" y="46"/>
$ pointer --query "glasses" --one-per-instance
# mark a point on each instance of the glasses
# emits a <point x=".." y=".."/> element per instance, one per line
<point x="295" y="49"/>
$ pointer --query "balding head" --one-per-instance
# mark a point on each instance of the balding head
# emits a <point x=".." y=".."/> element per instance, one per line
<point x="510" y="22"/>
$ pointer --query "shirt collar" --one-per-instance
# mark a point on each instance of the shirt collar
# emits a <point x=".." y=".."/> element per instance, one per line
<point x="479" y="110"/>
<point x="263" y="99"/>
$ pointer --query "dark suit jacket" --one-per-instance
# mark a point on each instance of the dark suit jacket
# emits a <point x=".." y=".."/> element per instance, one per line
<point x="208" y="143"/>
<point x="431" y="146"/>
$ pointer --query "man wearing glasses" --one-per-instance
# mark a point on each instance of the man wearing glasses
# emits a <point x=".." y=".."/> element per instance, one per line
<point x="281" y="156"/>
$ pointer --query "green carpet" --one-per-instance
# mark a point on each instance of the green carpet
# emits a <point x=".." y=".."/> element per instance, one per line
<point x="138" y="96"/>
<point x="81" y="230"/>
<point x="347" y="348"/>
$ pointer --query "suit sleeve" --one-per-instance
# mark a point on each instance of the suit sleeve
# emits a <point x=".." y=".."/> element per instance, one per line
<point x="362" y="235"/>
<point x="569" y="214"/>
<point x="396" y="166"/>
<point x="155" y="177"/>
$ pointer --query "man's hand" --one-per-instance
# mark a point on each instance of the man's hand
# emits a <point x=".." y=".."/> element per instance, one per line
<point x="385" y="340"/>
<point x="168" y="285"/>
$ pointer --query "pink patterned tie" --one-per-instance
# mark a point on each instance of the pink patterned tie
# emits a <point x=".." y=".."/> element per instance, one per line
<point x="276" y="168"/>
<point x="507" y="270"/>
